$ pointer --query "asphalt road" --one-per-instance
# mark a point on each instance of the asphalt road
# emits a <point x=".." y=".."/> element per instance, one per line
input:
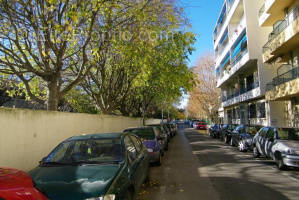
<point x="198" y="167"/>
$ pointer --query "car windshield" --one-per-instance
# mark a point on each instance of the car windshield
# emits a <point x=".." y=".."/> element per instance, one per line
<point x="145" y="133"/>
<point x="288" y="133"/>
<point x="87" y="151"/>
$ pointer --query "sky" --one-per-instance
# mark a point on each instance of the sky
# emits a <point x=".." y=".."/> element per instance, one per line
<point x="203" y="15"/>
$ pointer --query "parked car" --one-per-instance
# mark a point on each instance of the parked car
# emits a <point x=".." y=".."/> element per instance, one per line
<point x="95" y="166"/>
<point x="280" y="144"/>
<point x="152" y="140"/>
<point x="214" y="130"/>
<point x="242" y="136"/>
<point x="168" y="130"/>
<point x="201" y="125"/>
<point x="18" y="185"/>
<point x="226" y="131"/>
<point x="164" y="134"/>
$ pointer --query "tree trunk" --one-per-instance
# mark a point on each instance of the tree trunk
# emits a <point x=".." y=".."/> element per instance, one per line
<point x="53" y="97"/>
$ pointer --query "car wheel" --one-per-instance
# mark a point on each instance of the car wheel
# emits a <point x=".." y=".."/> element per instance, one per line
<point x="226" y="139"/>
<point x="231" y="142"/>
<point x="128" y="196"/>
<point x="159" y="161"/>
<point x="280" y="163"/>
<point x="256" y="153"/>
<point x="242" y="146"/>
<point x="147" y="178"/>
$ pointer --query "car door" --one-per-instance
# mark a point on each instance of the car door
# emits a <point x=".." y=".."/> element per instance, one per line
<point x="132" y="154"/>
<point x="269" y="142"/>
<point x="261" y="140"/>
<point x="142" y="159"/>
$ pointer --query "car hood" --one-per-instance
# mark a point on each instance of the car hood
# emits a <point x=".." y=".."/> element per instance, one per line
<point x="74" y="182"/>
<point x="293" y="144"/>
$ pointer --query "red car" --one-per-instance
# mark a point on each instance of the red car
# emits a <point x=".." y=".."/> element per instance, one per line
<point x="17" y="185"/>
<point x="201" y="126"/>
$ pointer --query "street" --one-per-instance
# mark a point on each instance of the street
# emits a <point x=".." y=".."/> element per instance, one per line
<point x="198" y="167"/>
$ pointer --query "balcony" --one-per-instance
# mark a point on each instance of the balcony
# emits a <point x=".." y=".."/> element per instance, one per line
<point x="237" y="63"/>
<point x="272" y="11"/>
<point x="283" y="38"/>
<point x="230" y="6"/>
<point x="250" y="92"/>
<point x="236" y="31"/>
<point x="284" y="86"/>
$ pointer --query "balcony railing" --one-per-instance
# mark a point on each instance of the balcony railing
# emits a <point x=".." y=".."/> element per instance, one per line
<point x="283" y="78"/>
<point x="262" y="10"/>
<point x="281" y="26"/>
<point x="237" y="58"/>
<point x="241" y="91"/>
<point x="230" y="4"/>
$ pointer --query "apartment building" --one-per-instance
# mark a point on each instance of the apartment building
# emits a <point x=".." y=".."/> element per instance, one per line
<point x="280" y="54"/>
<point x="241" y="74"/>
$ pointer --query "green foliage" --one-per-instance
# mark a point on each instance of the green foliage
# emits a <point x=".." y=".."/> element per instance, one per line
<point x="102" y="56"/>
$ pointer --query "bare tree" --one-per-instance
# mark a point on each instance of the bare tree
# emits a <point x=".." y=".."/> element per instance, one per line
<point x="205" y="97"/>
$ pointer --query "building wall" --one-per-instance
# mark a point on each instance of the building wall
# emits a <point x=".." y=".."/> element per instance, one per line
<point x="26" y="136"/>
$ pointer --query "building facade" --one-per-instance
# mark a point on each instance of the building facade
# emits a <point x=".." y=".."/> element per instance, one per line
<point x="241" y="75"/>
<point x="281" y="55"/>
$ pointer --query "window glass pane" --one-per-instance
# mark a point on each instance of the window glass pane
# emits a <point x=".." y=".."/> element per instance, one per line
<point x="270" y="133"/>
<point x="87" y="150"/>
<point x="131" y="150"/>
<point x="145" y="133"/>
<point x="136" y="143"/>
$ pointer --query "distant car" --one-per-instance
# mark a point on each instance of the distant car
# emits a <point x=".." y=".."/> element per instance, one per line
<point x="226" y="132"/>
<point x="214" y="130"/>
<point x="201" y="125"/>
<point x="280" y="144"/>
<point x="18" y="185"/>
<point x="152" y="140"/>
<point x="242" y="136"/>
<point x="95" y="166"/>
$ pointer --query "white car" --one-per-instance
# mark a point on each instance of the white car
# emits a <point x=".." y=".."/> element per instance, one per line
<point x="280" y="144"/>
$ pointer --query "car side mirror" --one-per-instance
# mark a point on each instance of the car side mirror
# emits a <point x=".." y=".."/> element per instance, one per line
<point x="42" y="161"/>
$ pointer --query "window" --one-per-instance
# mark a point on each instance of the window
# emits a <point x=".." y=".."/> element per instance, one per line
<point x="263" y="132"/>
<point x="137" y="143"/>
<point x="262" y="110"/>
<point x="131" y="150"/>
<point x="87" y="151"/>
<point x="270" y="134"/>
<point x="252" y="111"/>
<point x="238" y="113"/>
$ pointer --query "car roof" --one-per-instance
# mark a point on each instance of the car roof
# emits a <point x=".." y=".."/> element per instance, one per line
<point x="134" y="128"/>
<point x="96" y="136"/>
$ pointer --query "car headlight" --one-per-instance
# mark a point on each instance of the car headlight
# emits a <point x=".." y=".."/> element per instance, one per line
<point x="106" y="197"/>
<point x="290" y="152"/>
<point x="150" y="150"/>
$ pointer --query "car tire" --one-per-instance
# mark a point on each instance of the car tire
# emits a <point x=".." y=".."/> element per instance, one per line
<point x="242" y="146"/>
<point x="159" y="161"/>
<point x="256" y="153"/>
<point x="128" y="195"/>
<point x="280" y="163"/>
<point x="147" y="178"/>
<point x="226" y="140"/>
<point x="231" y="142"/>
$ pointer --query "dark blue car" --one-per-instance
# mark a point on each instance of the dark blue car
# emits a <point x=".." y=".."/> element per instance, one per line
<point x="152" y="140"/>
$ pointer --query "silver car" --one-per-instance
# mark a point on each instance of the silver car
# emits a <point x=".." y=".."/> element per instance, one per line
<point x="280" y="144"/>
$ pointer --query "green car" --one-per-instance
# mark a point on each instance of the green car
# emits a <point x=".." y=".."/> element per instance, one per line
<point x="94" y="167"/>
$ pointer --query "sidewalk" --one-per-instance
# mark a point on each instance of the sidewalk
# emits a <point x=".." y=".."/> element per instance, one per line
<point x="178" y="176"/>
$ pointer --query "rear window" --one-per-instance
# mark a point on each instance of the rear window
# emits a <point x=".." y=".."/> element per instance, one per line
<point x="145" y="133"/>
<point x="288" y="133"/>
<point x="252" y="130"/>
